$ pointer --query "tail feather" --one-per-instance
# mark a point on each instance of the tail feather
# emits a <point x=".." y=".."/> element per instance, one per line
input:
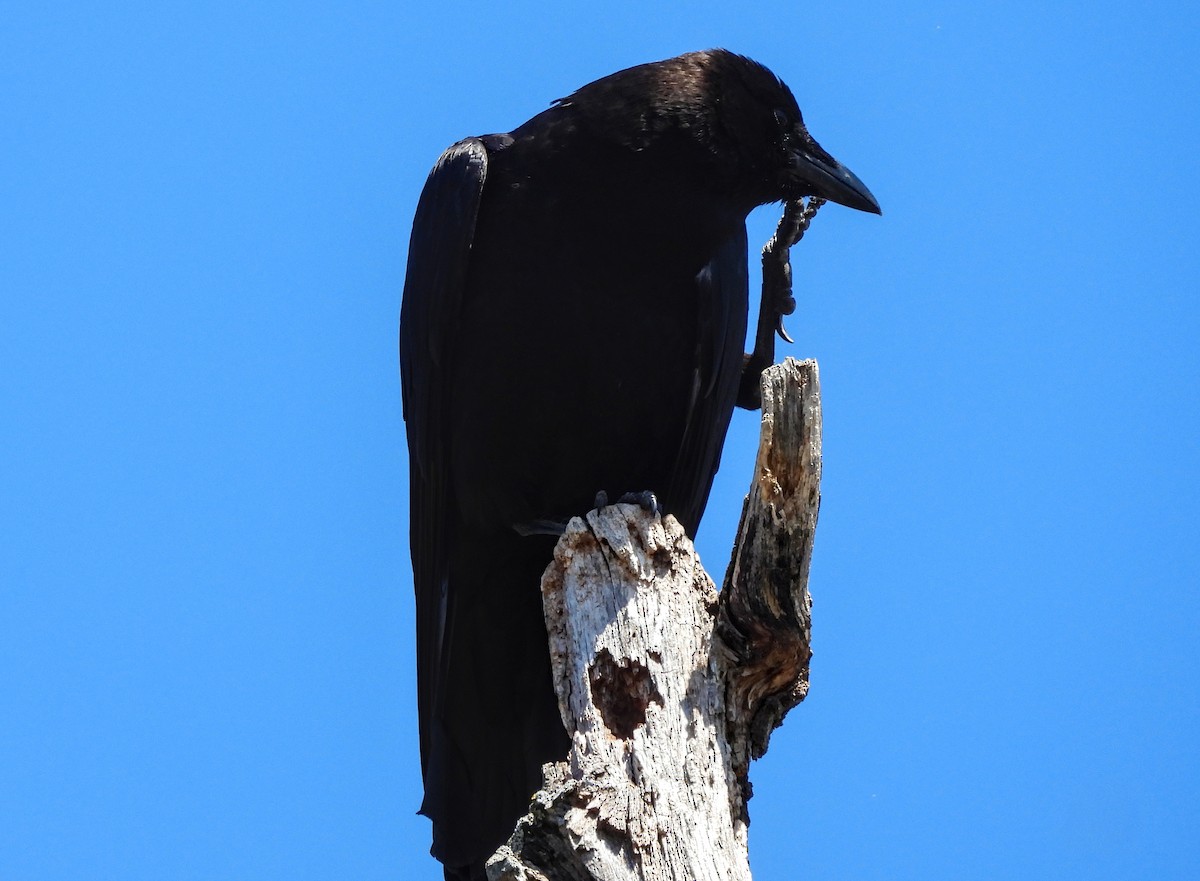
<point x="494" y="719"/>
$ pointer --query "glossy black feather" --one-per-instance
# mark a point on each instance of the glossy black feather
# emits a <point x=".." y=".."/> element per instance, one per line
<point x="438" y="256"/>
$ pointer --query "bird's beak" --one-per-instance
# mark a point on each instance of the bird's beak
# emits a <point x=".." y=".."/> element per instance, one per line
<point x="821" y="175"/>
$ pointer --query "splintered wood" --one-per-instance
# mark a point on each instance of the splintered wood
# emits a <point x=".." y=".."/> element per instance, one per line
<point x="666" y="689"/>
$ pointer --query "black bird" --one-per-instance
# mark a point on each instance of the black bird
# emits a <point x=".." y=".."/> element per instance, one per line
<point x="573" y="321"/>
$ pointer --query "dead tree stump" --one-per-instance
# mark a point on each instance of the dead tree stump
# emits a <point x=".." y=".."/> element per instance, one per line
<point x="667" y="689"/>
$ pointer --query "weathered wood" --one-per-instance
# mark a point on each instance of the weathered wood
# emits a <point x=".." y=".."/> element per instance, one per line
<point x="766" y="611"/>
<point x="649" y="793"/>
<point x="666" y="689"/>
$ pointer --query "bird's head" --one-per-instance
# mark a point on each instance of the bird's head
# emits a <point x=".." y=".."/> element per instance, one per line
<point x="735" y="119"/>
<point x="757" y="116"/>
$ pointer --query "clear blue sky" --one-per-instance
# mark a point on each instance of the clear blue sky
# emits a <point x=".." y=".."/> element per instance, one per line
<point x="205" y="601"/>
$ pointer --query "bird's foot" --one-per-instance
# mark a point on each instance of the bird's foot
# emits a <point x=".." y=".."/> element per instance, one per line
<point x="646" y="500"/>
<point x="777" y="266"/>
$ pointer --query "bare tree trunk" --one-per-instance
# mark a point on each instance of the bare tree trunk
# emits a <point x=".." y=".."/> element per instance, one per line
<point x="668" y="690"/>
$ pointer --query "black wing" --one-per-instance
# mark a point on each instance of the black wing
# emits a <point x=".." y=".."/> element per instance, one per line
<point x="722" y="299"/>
<point x="438" y="254"/>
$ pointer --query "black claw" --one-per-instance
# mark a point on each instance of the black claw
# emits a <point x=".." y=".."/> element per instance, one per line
<point x="782" y="331"/>
<point x="601" y="500"/>
<point x="785" y="305"/>
<point x="645" y="500"/>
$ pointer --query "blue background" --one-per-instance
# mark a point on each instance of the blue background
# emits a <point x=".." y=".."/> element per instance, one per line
<point x="205" y="601"/>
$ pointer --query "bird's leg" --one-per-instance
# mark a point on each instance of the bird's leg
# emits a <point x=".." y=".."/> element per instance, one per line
<point x="777" y="299"/>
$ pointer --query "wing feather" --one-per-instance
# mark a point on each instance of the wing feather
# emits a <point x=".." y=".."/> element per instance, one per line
<point x="434" y="287"/>
<point x="722" y="289"/>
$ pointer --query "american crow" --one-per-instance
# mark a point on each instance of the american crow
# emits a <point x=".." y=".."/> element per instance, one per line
<point x="573" y="321"/>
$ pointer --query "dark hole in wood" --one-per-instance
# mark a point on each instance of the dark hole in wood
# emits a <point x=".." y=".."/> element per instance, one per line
<point x="622" y="692"/>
